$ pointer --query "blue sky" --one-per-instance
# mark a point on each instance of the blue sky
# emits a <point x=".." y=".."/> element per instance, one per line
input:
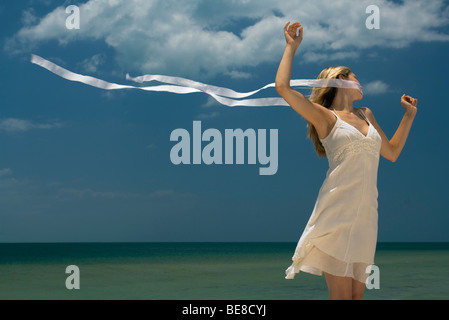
<point x="79" y="163"/>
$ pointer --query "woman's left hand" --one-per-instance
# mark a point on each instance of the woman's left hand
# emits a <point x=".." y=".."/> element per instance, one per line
<point x="409" y="104"/>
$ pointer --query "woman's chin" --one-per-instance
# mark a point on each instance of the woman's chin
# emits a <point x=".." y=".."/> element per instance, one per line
<point x="359" y="96"/>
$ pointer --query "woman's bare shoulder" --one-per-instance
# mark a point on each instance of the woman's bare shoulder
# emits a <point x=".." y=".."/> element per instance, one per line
<point x="368" y="113"/>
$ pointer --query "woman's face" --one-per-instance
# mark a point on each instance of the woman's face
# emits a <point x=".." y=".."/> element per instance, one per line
<point x="359" y="94"/>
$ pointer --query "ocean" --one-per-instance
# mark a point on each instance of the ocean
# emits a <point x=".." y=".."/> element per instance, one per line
<point x="204" y="271"/>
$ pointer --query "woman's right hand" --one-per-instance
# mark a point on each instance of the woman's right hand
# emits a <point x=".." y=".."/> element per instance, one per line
<point x="292" y="36"/>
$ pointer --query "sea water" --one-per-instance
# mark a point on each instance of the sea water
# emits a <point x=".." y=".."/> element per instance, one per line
<point x="212" y="271"/>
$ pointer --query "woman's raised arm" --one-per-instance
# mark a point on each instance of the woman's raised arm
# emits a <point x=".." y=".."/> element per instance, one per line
<point x="312" y="112"/>
<point x="391" y="149"/>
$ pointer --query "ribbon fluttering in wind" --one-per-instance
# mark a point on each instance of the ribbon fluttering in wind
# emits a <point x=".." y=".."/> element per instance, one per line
<point x="225" y="96"/>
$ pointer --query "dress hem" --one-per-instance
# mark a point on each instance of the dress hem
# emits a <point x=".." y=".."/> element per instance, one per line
<point x="316" y="261"/>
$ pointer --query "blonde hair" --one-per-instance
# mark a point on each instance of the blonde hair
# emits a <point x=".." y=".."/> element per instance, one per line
<point x="324" y="96"/>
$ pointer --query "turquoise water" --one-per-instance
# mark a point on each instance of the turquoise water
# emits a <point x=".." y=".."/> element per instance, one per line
<point x="190" y="271"/>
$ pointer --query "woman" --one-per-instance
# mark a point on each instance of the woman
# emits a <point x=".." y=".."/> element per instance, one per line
<point x="341" y="235"/>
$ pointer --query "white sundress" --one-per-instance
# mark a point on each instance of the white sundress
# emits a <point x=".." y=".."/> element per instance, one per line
<point x="341" y="235"/>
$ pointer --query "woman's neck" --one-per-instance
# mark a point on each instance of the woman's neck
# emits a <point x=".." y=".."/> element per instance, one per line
<point x="343" y="103"/>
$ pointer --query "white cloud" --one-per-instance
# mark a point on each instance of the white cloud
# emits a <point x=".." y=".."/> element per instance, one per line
<point x="375" y="88"/>
<point x="89" y="193"/>
<point x="312" y="56"/>
<point x="90" y="65"/>
<point x="208" y="115"/>
<point x="28" y="17"/>
<point x="238" y="74"/>
<point x="21" y="125"/>
<point x="200" y="38"/>
<point x="5" y="172"/>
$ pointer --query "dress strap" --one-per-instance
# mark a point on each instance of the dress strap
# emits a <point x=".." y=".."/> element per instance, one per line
<point x="364" y="116"/>
<point x="334" y="113"/>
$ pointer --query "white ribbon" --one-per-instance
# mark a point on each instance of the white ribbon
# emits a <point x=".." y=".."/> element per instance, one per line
<point x="179" y="85"/>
